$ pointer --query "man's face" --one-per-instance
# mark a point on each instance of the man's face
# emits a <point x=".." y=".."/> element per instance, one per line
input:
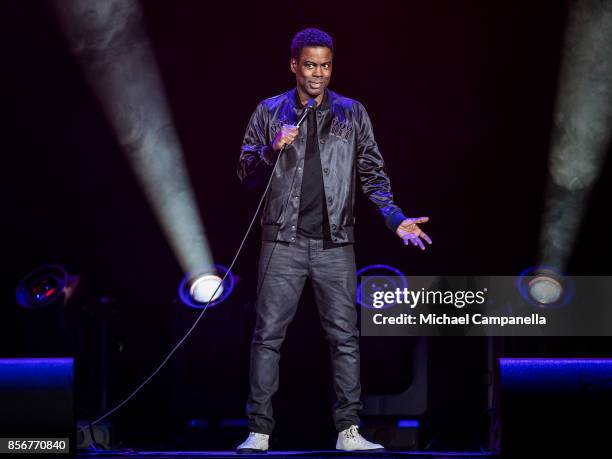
<point x="313" y="70"/>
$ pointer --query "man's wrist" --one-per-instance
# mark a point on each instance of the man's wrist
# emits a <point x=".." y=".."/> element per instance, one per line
<point x="269" y="155"/>
<point x="395" y="219"/>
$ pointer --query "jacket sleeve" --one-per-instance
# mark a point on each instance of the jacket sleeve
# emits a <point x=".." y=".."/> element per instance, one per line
<point x="257" y="156"/>
<point x="375" y="182"/>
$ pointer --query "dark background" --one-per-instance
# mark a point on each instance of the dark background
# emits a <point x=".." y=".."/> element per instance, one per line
<point x="461" y="96"/>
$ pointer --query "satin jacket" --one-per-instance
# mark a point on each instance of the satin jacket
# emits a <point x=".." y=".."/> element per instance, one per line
<point x="347" y="149"/>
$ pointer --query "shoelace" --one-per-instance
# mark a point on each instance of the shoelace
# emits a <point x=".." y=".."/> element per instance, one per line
<point x="354" y="434"/>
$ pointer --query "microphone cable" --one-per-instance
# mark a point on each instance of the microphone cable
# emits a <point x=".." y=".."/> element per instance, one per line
<point x="311" y="104"/>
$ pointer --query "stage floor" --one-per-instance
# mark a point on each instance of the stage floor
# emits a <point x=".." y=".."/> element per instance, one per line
<point x="295" y="454"/>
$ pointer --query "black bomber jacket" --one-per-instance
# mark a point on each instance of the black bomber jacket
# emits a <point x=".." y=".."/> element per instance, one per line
<point x="347" y="148"/>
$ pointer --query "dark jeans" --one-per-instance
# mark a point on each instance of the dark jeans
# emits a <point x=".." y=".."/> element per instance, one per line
<point x="283" y="269"/>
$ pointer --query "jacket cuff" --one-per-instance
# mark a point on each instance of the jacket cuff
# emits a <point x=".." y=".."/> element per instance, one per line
<point x="394" y="220"/>
<point x="268" y="155"/>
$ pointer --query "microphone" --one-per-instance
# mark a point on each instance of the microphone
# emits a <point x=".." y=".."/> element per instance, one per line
<point x="309" y="107"/>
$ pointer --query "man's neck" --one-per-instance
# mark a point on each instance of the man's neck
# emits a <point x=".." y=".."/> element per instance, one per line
<point x="304" y="98"/>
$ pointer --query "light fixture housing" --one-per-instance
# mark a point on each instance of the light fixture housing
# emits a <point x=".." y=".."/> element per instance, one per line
<point x="197" y="289"/>
<point x="45" y="286"/>
<point x="544" y="287"/>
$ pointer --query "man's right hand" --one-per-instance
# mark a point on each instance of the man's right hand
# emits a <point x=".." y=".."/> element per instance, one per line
<point x="285" y="136"/>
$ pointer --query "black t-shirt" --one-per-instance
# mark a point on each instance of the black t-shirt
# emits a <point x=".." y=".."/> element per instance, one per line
<point x="313" y="221"/>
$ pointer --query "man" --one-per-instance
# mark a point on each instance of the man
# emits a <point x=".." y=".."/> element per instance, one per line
<point x="307" y="229"/>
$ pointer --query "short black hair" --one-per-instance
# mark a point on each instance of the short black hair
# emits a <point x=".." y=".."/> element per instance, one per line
<point x="310" y="37"/>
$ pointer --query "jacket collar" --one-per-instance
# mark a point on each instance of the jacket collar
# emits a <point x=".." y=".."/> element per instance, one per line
<point x="325" y="103"/>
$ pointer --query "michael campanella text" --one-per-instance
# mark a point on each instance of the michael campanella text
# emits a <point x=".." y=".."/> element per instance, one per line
<point x="466" y="319"/>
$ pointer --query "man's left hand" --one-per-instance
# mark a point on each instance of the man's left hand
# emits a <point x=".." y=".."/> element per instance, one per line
<point x="410" y="232"/>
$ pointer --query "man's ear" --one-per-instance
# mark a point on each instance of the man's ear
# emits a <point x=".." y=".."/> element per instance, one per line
<point x="293" y="65"/>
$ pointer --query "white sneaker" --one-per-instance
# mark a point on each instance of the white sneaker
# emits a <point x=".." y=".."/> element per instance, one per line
<point x="351" y="440"/>
<point x="255" y="443"/>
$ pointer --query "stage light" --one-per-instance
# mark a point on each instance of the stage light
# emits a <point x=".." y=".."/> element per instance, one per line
<point x="206" y="288"/>
<point x="380" y="277"/>
<point x="582" y="127"/>
<point x="46" y="285"/>
<point x="110" y="41"/>
<point x="545" y="288"/>
<point x="196" y="290"/>
<point x="408" y="424"/>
